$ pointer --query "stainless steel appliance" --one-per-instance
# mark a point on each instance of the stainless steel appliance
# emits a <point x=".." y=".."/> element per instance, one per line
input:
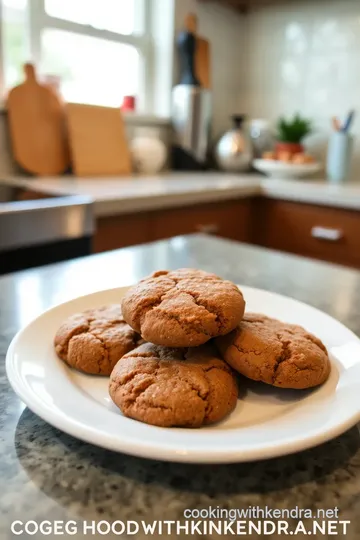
<point x="38" y="228"/>
<point x="234" y="151"/>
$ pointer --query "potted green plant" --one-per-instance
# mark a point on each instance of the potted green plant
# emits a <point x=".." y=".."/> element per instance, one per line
<point x="290" y="134"/>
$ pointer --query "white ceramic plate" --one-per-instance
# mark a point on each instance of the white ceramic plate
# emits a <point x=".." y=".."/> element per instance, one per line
<point x="267" y="422"/>
<point x="280" y="169"/>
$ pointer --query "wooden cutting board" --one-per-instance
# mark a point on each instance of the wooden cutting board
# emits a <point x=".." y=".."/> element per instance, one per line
<point x="37" y="127"/>
<point x="202" y="54"/>
<point x="98" y="141"/>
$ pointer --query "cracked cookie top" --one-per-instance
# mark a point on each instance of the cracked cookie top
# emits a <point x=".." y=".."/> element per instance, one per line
<point x="183" y="308"/>
<point x="166" y="387"/>
<point x="276" y="353"/>
<point x="93" y="341"/>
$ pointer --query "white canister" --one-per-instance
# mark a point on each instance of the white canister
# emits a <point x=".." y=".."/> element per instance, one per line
<point x="148" y="151"/>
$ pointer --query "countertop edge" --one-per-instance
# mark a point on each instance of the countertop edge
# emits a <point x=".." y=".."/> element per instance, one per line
<point x="312" y="192"/>
<point x="157" y="202"/>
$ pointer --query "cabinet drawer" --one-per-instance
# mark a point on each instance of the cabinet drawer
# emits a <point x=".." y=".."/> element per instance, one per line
<point x="115" y="232"/>
<point x="314" y="231"/>
<point x="230" y="219"/>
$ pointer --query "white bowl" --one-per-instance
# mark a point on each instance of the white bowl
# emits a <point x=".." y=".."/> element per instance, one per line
<point x="287" y="171"/>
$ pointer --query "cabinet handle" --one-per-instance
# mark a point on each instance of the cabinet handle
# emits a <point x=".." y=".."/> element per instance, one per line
<point x="211" y="228"/>
<point x="325" y="233"/>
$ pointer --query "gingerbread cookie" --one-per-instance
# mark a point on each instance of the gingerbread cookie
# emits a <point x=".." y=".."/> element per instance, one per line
<point x="280" y="354"/>
<point x="174" y="387"/>
<point x="184" y="308"/>
<point x="93" y="341"/>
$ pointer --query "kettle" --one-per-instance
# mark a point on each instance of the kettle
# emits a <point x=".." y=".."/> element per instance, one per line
<point x="234" y="150"/>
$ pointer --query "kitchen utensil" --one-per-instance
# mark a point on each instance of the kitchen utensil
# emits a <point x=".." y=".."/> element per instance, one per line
<point x="267" y="421"/>
<point x="285" y="171"/>
<point x="186" y="44"/>
<point x="261" y="136"/>
<point x="348" y="121"/>
<point x="234" y="151"/>
<point x="191" y="110"/>
<point x="339" y="156"/>
<point x="37" y="127"/>
<point x="335" y="123"/>
<point x="98" y="141"/>
<point x="202" y="62"/>
<point x="202" y="53"/>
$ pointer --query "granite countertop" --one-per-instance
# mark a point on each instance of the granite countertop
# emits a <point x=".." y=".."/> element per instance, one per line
<point x="137" y="193"/>
<point x="47" y="475"/>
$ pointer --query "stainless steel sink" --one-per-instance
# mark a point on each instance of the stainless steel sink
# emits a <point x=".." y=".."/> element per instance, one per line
<point x="38" y="222"/>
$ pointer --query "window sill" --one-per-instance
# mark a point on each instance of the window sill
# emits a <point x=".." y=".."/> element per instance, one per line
<point x="137" y="119"/>
<point x="132" y="119"/>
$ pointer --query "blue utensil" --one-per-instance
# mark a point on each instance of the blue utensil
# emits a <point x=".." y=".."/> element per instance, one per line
<point x="348" y="122"/>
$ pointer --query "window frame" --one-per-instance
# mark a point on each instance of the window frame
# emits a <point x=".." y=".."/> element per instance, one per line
<point x="141" y="39"/>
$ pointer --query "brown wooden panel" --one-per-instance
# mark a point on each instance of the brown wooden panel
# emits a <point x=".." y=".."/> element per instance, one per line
<point x="28" y="195"/>
<point x="120" y="231"/>
<point x="98" y="141"/>
<point x="289" y="227"/>
<point x="37" y="127"/>
<point x="229" y="219"/>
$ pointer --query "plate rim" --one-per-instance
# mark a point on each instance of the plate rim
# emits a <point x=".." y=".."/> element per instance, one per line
<point x="156" y="452"/>
<point x="268" y="163"/>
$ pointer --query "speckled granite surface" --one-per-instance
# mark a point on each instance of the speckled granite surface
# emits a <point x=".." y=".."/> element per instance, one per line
<point x="45" y="474"/>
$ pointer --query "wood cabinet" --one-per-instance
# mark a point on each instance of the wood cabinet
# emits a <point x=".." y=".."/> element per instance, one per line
<point x="229" y="219"/>
<point x="319" y="232"/>
<point x="330" y="234"/>
<point x="115" y="232"/>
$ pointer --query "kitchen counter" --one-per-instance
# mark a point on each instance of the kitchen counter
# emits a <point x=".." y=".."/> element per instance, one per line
<point x="115" y="196"/>
<point x="47" y="475"/>
<point x="131" y="194"/>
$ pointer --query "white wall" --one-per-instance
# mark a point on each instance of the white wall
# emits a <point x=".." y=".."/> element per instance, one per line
<point x="225" y="30"/>
<point x="305" y="57"/>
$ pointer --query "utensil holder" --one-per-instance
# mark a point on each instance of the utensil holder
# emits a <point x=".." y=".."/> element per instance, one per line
<point x="339" y="157"/>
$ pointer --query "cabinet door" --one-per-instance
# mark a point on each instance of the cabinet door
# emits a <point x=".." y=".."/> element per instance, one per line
<point x="115" y="232"/>
<point x="325" y="233"/>
<point x="230" y="219"/>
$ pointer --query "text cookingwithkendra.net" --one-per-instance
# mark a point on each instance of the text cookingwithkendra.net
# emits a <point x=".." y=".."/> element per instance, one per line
<point x="212" y="520"/>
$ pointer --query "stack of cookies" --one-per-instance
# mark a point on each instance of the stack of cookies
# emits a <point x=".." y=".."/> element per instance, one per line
<point x="174" y="347"/>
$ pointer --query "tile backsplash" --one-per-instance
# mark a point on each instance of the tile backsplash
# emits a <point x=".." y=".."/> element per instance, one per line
<point x="305" y="57"/>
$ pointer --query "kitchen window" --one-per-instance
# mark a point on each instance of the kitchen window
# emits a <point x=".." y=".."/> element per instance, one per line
<point x="97" y="51"/>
